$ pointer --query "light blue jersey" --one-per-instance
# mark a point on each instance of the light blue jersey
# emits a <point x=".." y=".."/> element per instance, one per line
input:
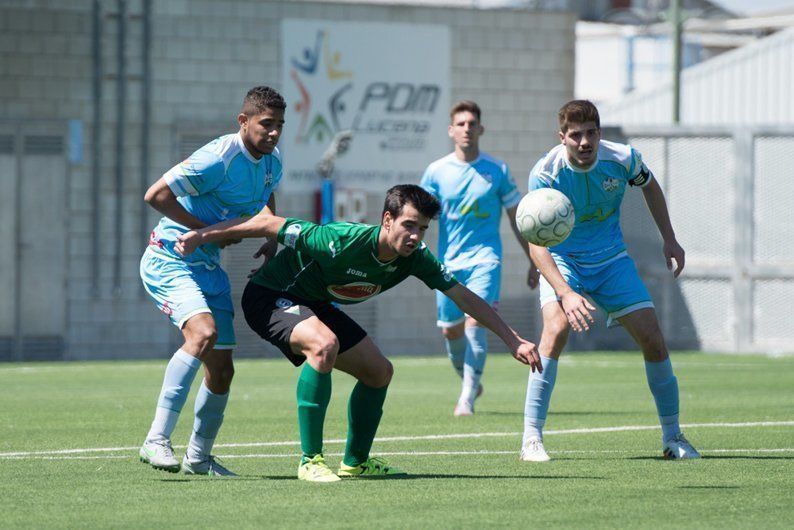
<point x="596" y="194"/>
<point x="472" y="195"/>
<point x="220" y="181"/>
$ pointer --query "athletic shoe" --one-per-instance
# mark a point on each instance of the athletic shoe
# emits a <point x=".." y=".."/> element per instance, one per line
<point x="210" y="467"/>
<point x="316" y="470"/>
<point x="463" y="409"/>
<point x="533" y="451"/>
<point x="374" y="467"/>
<point x="159" y="454"/>
<point x="678" y="448"/>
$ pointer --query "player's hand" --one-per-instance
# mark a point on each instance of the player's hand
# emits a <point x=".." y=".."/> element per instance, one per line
<point x="186" y="243"/>
<point x="527" y="353"/>
<point x="577" y="310"/>
<point x="266" y="251"/>
<point x="673" y="251"/>
<point x="533" y="277"/>
<point x="226" y="242"/>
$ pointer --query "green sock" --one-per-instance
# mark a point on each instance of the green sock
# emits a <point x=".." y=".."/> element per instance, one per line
<point x="314" y="393"/>
<point x="364" y="411"/>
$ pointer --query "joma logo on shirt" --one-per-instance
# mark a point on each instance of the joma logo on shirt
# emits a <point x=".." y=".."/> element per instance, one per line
<point x="354" y="272"/>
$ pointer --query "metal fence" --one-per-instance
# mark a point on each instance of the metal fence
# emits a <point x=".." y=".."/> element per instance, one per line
<point x="730" y="194"/>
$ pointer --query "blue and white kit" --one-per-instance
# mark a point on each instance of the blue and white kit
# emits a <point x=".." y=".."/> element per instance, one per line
<point x="220" y="181"/>
<point x="472" y="195"/>
<point x="593" y="259"/>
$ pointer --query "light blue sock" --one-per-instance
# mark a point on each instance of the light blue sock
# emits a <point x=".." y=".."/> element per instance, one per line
<point x="179" y="375"/>
<point x="474" y="363"/>
<point x="456" y="351"/>
<point x="664" y="387"/>
<point x="539" y="388"/>
<point x="209" y="417"/>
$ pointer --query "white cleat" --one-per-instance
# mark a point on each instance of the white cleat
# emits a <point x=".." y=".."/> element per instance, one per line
<point x="533" y="451"/>
<point x="210" y="467"/>
<point x="678" y="448"/>
<point x="159" y="454"/>
<point x="463" y="409"/>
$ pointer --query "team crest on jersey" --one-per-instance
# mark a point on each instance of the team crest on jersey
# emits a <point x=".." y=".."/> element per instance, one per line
<point x="268" y="180"/>
<point x="291" y="235"/>
<point x="354" y="292"/>
<point x="610" y="184"/>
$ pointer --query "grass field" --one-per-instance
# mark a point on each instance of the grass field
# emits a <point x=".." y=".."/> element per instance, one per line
<point x="70" y="433"/>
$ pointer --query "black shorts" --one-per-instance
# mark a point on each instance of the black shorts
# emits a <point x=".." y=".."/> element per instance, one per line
<point x="274" y="314"/>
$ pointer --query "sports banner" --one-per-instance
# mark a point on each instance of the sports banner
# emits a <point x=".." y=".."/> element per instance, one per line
<point x="387" y="83"/>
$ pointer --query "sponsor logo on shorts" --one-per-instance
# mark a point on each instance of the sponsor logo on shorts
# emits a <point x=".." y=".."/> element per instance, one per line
<point x="354" y="292"/>
<point x="154" y="241"/>
<point x="167" y="309"/>
<point x="291" y="235"/>
<point x="283" y="303"/>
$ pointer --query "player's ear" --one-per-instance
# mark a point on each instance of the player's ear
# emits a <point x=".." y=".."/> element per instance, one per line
<point x="242" y="119"/>
<point x="449" y="130"/>
<point x="387" y="220"/>
<point x="562" y="137"/>
<point x="482" y="130"/>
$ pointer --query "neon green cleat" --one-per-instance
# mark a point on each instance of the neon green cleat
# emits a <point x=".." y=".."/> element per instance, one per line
<point x="375" y="467"/>
<point x="316" y="470"/>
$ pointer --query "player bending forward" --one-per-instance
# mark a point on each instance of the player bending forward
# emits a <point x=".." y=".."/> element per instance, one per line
<point x="289" y="303"/>
<point x="593" y="174"/>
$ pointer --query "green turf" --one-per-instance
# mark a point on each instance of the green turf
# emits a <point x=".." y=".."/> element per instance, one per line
<point x="606" y="479"/>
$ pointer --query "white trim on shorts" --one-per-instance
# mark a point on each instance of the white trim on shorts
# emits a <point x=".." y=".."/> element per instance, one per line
<point x="445" y="324"/>
<point x="193" y="313"/>
<point x="612" y="318"/>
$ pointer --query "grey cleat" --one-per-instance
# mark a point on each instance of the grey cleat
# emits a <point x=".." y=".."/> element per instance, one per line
<point x="210" y="467"/>
<point x="159" y="454"/>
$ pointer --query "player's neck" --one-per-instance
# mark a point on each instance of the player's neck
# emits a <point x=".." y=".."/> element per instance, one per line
<point x="253" y="151"/>
<point x="467" y="155"/>
<point x="385" y="252"/>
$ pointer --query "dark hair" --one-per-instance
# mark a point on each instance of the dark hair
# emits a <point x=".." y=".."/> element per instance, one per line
<point x="401" y="194"/>
<point x="260" y="98"/>
<point x="577" y="111"/>
<point x="465" y="105"/>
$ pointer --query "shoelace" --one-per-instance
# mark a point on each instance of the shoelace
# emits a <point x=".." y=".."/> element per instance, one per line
<point x="169" y="451"/>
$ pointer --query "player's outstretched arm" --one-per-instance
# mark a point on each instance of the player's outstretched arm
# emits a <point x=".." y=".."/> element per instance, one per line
<point x="576" y="307"/>
<point x="533" y="275"/>
<point x="471" y="304"/>
<point x="654" y="198"/>
<point x="160" y="197"/>
<point x="261" y="225"/>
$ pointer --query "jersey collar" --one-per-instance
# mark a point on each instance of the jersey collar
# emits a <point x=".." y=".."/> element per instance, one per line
<point x="577" y="169"/>
<point x="246" y="153"/>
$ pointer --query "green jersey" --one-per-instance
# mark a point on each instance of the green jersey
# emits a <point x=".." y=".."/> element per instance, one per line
<point x="338" y="262"/>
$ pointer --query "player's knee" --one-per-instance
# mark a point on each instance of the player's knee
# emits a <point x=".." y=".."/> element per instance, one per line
<point x="452" y="333"/>
<point x="653" y="348"/>
<point x="385" y="374"/>
<point x="323" y="350"/>
<point x="203" y="337"/>
<point x="557" y="328"/>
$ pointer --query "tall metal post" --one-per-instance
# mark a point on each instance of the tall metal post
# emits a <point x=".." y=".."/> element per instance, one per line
<point x="675" y="16"/>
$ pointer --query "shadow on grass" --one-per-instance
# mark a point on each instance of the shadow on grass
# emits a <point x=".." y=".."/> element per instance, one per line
<point x="562" y="413"/>
<point x="719" y="457"/>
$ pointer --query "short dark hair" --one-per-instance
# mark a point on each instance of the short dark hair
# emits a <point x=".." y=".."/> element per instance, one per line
<point x="465" y="105"/>
<point x="577" y="111"/>
<point x="260" y="98"/>
<point x="401" y="194"/>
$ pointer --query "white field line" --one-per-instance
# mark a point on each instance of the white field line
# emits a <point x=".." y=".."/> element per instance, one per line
<point x="23" y="454"/>
<point x="413" y="453"/>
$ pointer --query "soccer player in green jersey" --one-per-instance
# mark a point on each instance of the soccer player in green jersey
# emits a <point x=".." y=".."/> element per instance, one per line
<point x="289" y="303"/>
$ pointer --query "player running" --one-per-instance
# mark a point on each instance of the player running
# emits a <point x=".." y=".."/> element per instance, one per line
<point x="472" y="187"/>
<point x="594" y="174"/>
<point x="289" y="303"/>
<point x="231" y="177"/>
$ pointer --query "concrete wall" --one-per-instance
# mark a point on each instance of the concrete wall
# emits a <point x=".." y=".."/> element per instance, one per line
<point x="204" y="56"/>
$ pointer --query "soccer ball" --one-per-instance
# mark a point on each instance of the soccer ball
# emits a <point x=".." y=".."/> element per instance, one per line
<point x="545" y="217"/>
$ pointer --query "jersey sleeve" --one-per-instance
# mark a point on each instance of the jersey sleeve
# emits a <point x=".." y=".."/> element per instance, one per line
<point x="539" y="177"/>
<point x="639" y="174"/>
<point x="200" y="173"/>
<point x="429" y="183"/>
<point x="508" y="191"/>
<point x="431" y="271"/>
<point x="318" y="241"/>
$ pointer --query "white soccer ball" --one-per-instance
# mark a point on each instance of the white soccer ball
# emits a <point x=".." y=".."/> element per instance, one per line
<point x="545" y="217"/>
